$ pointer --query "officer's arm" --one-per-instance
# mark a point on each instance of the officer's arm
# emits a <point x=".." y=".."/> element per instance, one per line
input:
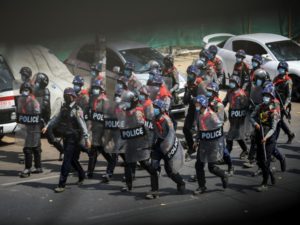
<point x="82" y="124"/>
<point x="220" y="112"/>
<point x="187" y="96"/>
<point x="176" y="81"/>
<point x="289" y="93"/>
<point x="253" y="116"/>
<point x="275" y="119"/>
<point x="225" y="100"/>
<point x="167" y="101"/>
<point x="46" y="105"/>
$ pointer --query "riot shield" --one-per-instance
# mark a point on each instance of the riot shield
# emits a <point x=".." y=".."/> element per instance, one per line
<point x="29" y="121"/>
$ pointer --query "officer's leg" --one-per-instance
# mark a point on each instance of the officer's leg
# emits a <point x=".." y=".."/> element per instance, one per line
<point x="199" y="166"/>
<point x="227" y="159"/>
<point x="244" y="148"/>
<point x="28" y="162"/>
<point x="229" y="144"/>
<point x="280" y="157"/>
<point x="188" y="124"/>
<point x="111" y="163"/>
<point x="218" y="172"/>
<point x="153" y="170"/>
<point x="77" y="166"/>
<point x="93" y="154"/>
<point x="69" y="147"/>
<point x="176" y="177"/>
<point x="128" y="175"/>
<point x="287" y="131"/>
<point x="37" y="159"/>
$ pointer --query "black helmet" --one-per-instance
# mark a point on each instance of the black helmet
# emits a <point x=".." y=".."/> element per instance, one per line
<point x="213" y="50"/>
<point x="26" y="72"/>
<point x="260" y="74"/>
<point x="283" y="65"/>
<point x="42" y="80"/>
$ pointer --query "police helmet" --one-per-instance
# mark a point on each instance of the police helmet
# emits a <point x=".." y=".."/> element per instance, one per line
<point x="192" y="69"/>
<point x="78" y="80"/>
<point x="26" y="72"/>
<point x="42" y="79"/>
<point x="158" y="103"/>
<point x="240" y="54"/>
<point x="213" y="86"/>
<point x="260" y="74"/>
<point x="213" y="50"/>
<point x="269" y="89"/>
<point x="284" y="65"/>
<point x="235" y="78"/>
<point x="70" y="91"/>
<point x="202" y="100"/>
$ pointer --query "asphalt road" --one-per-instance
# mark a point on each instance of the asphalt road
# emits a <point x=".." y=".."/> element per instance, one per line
<point x="32" y="200"/>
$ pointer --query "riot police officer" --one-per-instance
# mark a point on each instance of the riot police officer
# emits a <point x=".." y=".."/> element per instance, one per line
<point x="210" y="148"/>
<point x="82" y="99"/>
<point x="206" y="71"/>
<point x="216" y="63"/>
<point x="28" y="116"/>
<point x="73" y="128"/>
<point x="133" y="83"/>
<point x="283" y="89"/>
<point x="134" y="134"/>
<point x="42" y="93"/>
<point x="242" y="70"/>
<point x="167" y="147"/>
<point x="256" y="62"/>
<point x="265" y="118"/>
<point x="238" y="103"/>
<point x="194" y="86"/>
<point x="99" y="104"/>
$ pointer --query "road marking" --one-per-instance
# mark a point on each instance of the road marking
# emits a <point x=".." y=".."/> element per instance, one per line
<point x="26" y="181"/>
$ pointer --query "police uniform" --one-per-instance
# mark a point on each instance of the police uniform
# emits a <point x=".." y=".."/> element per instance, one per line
<point x="28" y="116"/>
<point x="210" y="149"/>
<point x="98" y="107"/>
<point x="267" y="117"/>
<point x="73" y="127"/>
<point x="242" y="69"/>
<point x="238" y="104"/>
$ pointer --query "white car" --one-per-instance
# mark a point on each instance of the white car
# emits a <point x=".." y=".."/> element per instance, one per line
<point x="39" y="59"/>
<point x="272" y="47"/>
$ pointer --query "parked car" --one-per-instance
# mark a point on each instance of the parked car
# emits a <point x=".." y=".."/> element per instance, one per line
<point x="272" y="47"/>
<point x="39" y="59"/>
<point x="117" y="54"/>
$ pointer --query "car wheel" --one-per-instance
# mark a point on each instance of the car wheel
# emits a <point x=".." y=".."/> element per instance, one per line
<point x="296" y="88"/>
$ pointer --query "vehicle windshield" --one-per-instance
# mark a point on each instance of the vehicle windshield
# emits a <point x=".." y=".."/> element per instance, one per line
<point x="6" y="78"/>
<point x="285" y="50"/>
<point x="141" y="56"/>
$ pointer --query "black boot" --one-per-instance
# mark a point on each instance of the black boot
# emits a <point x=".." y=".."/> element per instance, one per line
<point x="290" y="138"/>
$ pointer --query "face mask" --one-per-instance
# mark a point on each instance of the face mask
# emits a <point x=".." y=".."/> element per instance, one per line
<point x="281" y="71"/>
<point x="96" y="91"/>
<point x="232" y="85"/>
<point x="239" y="60"/>
<point x="127" y="73"/>
<point x="94" y="73"/>
<point x="77" y="88"/>
<point x="142" y="98"/>
<point x="209" y="94"/>
<point x="25" y="93"/>
<point x="198" y="108"/>
<point x="190" y="78"/>
<point x="156" y="111"/>
<point x="258" y="82"/>
<point x="151" y="77"/>
<point x="254" y="64"/>
<point x="117" y="99"/>
<point x="266" y="100"/>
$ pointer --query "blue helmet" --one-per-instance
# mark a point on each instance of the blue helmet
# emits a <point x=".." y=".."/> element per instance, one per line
<point x="78" y="80"/>
<point x="205" y="54"/>
<point x="213" y="50"/>
<point x="70" y="91"/>
<point x="213" y="86"/>
<point x="269" y="89"/>
<point x="257" y="58"/>
<point x="192" y="69"/>
<point x="284" y="65"/>
<point x="202" y="100"/>
<point x="98" y="83"/>
<point x="240" y="54"/>
<point x="159" y="104"/>
<point x="157" y="77"/>
<point x="235" y="78"/>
